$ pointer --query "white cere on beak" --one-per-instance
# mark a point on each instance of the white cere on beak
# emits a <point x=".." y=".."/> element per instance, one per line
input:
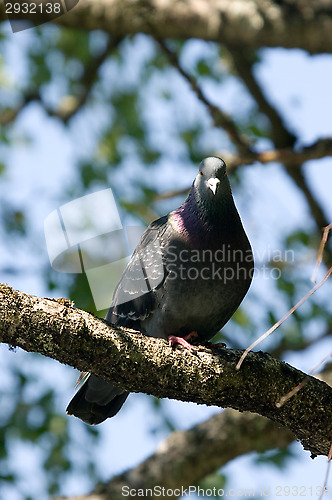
<point x="213" y="183"/>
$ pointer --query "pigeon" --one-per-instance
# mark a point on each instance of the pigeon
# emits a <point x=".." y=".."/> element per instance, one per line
<point x="186" y="278"/>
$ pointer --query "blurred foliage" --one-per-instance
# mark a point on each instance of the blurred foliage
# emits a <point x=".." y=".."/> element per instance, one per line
<point x="28" y="415"/>
<point x="277" y="458"/>
<point x="141" y="116"/>
<point x="213" y="484"/>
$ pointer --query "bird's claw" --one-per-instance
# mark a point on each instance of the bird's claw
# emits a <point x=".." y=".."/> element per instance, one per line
<point x="173" y="340"/>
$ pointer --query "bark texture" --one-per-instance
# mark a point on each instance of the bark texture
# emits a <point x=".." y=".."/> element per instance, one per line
<point x="141" y="364"/>
<point x="252" y="24"/>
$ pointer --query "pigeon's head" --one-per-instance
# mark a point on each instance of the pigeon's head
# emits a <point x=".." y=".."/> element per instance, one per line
<point x="211" y="181"/>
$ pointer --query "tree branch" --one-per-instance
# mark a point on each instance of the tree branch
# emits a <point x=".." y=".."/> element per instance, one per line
<point x="186" y="457"/>
<point x="319" y="149"/>
<point x="139" y="363"/>
<point x="87" y="81"/>
<point x="280" y="134"/>
<point x="220" y="119"/>
<point x="252" y="24"/>
<point x="68" y="105"/>
<point x="243" y="61"/>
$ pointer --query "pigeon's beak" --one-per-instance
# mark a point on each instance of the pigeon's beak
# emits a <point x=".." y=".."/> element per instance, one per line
<point x="213" y="184"/>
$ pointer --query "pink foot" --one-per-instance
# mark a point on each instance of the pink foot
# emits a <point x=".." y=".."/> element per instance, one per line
<point x="173" y="340"/>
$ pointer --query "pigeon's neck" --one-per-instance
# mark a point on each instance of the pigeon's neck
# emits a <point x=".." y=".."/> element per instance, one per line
<point x="206" y="221"/>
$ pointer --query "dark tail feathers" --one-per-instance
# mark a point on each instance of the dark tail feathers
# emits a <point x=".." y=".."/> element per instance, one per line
<point x="96" y="401"/>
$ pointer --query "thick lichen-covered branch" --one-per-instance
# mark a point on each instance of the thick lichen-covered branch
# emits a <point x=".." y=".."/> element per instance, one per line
<point x="141" y="364"/>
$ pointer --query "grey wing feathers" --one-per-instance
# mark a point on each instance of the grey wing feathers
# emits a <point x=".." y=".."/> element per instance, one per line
<point x="134" y="299"/>
<point x="135" y="296"/>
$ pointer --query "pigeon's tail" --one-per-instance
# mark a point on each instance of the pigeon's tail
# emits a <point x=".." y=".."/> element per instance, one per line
<point x="96" y="401"/>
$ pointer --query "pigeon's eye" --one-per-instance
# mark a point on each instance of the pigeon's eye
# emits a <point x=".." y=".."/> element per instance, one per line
<point x="202" y="174"/>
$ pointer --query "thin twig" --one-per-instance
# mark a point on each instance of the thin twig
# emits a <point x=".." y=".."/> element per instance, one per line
<point x="324" y="487"/>
<point x="278" y="323"/>
<point x="68" y="107"/>
<point x="296" y="389"/>
<point x="319" y="149"/>
<point x="171" y="194"/>
<point x="243" y="62"/>
<point x="220" y="119"/>
<point x="291" y="393"/>
<point x="321" y="250"/>
<point x="90" y="76"/>
<point x="280" y="134"/>
<point x="321" y="363"/>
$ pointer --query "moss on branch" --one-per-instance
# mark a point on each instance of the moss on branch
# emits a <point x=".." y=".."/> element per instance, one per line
<point x="142" y="364"/>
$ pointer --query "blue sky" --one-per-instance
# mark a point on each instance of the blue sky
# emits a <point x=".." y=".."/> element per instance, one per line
<point x="270" y="207"/>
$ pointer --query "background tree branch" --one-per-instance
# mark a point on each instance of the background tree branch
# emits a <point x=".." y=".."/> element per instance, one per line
<point x="138" y="363"/>
<point x="272" y="23"/>
<point x="186" y="457"/>
<point x="85" y="79"/>
<point x="281" y="136"/>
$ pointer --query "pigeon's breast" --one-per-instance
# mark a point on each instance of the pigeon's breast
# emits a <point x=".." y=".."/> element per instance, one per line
<point x="204" y="285"/>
